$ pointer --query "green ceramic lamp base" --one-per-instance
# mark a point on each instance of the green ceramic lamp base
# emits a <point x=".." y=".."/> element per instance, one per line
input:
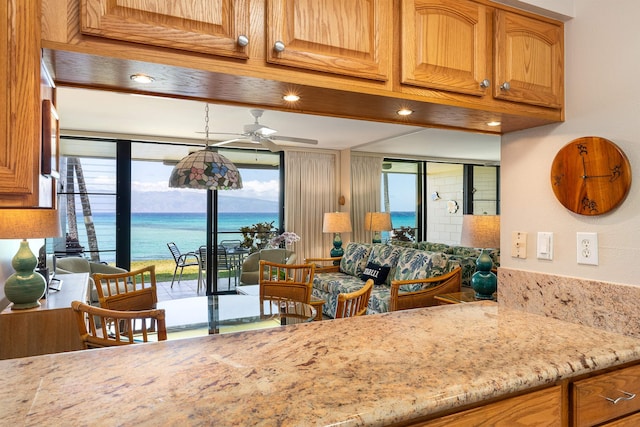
<point x="25" y="287"/>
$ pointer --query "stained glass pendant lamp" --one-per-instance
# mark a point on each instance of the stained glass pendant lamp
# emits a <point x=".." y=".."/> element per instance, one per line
<point x="206" y="169"/>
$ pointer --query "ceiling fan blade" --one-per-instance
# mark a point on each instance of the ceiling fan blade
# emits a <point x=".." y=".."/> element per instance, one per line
<point x="217" y="144"/>
<point x="292" y="139"/>
<point x="274" y="148"/>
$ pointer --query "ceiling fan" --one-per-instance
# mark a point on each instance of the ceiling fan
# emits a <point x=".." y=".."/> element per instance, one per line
<point x="261" y="134"/>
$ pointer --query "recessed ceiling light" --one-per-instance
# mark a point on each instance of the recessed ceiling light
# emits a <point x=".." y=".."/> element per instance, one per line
<point x="291" y="97"/>
<point x="141" y="78"/>
<point x="496" y="123"/>
<point x="404" y="112"/>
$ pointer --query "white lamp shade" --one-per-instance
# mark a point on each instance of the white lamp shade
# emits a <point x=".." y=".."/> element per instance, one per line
<point x="377" y="221"/>
<point x="32" y="223"/>
<point x="480" y="231"/>
<point x="336" y="222"/>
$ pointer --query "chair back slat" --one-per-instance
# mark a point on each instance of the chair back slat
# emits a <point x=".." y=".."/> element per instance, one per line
<point x="100" y="327"/>
<point x="354" y="303"/>
<point x="286" y="281"/>
<point x="133" y="290"/>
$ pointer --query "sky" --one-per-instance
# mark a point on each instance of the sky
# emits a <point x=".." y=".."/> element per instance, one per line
<point x="257" y="184"/>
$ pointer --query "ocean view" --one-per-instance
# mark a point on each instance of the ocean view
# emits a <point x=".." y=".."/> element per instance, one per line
<point x="150" y="232"/>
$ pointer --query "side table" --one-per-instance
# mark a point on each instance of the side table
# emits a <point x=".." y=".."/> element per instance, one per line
<point x="50" y="328"/>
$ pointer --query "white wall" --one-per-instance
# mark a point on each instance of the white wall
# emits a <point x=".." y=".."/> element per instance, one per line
<point x="602" y="99"/>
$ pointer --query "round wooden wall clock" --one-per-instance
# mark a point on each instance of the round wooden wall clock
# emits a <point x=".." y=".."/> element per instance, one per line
<point x="590" y="175"/>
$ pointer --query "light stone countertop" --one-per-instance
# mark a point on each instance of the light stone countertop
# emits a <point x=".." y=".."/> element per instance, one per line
<point x="372" y="370"/>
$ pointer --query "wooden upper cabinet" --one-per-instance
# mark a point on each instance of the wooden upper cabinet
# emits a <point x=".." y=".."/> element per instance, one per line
<point x="350" y="38"/>
<point x="444" y="45"/>
<point x="529" y="58"/>
<point x="20" y="100"/>
<point x="219" y="27"/>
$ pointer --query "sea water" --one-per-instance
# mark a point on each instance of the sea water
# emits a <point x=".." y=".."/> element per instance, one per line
<point x="150" y="232"/>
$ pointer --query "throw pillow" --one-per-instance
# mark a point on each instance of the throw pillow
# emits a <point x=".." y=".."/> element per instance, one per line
<point x="376" y="272"/>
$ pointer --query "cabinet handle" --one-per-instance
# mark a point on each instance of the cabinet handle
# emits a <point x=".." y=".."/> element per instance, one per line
<point x="627" y="396"/>
<point x="505" y="86"/>
<point x="278" y="46"/>
<point x="485" y="83"/>
<point x="243" y="40"/>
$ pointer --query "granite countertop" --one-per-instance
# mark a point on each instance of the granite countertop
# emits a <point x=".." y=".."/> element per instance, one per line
<point x="372" y="370"/>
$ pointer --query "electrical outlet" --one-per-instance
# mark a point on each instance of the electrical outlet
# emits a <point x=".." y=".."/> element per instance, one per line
<point x="545" y="245"/>
<point x="519" y="244"/>
<point x="587" y="245"/>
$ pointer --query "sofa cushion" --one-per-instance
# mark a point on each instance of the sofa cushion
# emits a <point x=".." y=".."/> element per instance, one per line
<point x="355" y="258"/>
<point x="379" y="300"/>
<point x="416" y="264"/>
<point x="431" y="246"/>
<point x="385" y="256"/>
<point x="376" y="272"/>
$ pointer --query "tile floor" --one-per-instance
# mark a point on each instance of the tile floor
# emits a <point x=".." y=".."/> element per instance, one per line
<point x="187" y="288"/>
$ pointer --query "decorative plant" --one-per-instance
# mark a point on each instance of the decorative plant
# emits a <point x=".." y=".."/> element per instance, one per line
<point x="404" y="234"/>
<point x="257" y="236"/>
<point x="285" y="239"/>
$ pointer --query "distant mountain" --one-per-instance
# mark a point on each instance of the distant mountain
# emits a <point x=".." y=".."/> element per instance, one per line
<point x="161" y="201"/>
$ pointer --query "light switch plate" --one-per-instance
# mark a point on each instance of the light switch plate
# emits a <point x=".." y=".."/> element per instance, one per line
<point x="519" y="244"/>
<point x="544" y="248"/>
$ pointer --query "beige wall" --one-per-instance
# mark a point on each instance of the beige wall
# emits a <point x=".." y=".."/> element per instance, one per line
<point x="602" y="99"/>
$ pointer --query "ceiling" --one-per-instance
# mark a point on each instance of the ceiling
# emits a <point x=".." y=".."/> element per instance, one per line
<point x="93" y="112"/>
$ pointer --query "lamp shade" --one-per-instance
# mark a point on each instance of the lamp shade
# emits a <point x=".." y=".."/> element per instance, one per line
<point x="336" y="222"/>
<point x="480" y="231"/>
<point x="207" y="170"/>
<point x="29" y="223"/>
<point x="377" y="221"/>
<point x="25" y="287"/>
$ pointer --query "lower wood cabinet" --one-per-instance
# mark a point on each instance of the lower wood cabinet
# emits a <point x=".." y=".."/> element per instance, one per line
<point x="606" y="397"/>
<point x="539" y="408"/>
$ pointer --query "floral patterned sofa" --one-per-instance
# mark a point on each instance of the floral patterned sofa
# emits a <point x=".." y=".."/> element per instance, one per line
<point x="466" y="256"/>
<point x="404" y="277"/>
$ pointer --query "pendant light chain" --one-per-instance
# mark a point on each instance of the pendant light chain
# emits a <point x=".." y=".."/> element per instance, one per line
<point x="206" y="125"/>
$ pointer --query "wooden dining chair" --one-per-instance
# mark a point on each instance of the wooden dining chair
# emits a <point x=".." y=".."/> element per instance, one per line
<point x="286" y="281"/>
<point x="354" y="303"/>
<point x="132" y="290"/>
<point x="101" y="327"/>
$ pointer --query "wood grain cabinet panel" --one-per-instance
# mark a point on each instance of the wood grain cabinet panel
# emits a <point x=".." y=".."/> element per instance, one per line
<point x="606" y="397"/>
<point x="212" y="27"/>
<point x="444" y="45"/>
<point x="539" y="408"/>
<point x="20" y="100"/>
<point x="350" y="38"/>
<point x="529" y="57"/>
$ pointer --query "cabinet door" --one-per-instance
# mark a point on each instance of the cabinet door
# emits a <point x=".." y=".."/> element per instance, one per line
<point x="344" y="37"/>
<point x="444" y="45"/>
<point x="538" y="408"/>
<point x="20" y="101"/>
<point x="606" y="397"/>
<point x="213" y="27"/>
<point x="529" y="58"/>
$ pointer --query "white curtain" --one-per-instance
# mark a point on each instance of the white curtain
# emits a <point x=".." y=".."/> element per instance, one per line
<point x="310" y="191"/>
<point x="366" y="172"/>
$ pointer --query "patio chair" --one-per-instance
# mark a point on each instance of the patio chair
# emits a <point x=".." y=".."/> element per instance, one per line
<point x="187" y="259"/>
<point x="101" y="327"/>
<point x="225" y="263"/>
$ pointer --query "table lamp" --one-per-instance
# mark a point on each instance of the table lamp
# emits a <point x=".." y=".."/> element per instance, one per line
<point x="377" y="222"/>
<point x="482" y="231"/>
<point x="25" y="287"/>
<point x="336" y="222"/>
